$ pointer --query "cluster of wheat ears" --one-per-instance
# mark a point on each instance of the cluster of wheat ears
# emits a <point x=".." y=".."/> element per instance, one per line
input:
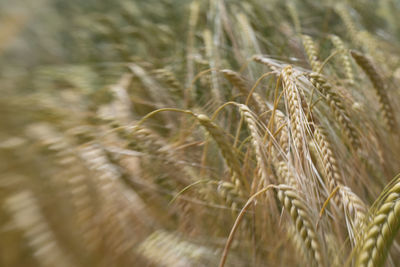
<point x="204" y="133"/>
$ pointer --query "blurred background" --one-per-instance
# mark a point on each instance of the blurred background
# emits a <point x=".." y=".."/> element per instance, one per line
<point x="76" y="189"/>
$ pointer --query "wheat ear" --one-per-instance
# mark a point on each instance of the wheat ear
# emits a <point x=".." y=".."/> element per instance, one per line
<point x="237" y="80"/>
<point x="28" y="217"/>
<point x="226" y="149"/>
<point x="353" y="207"/>
<point x="280" y="123"/>
<point x="241" y="84"/>
<point x="379" y="86"/>
<point x="284" y="174"/>
<point x="169" y="78"/>
<point x="344" y="58"/>
<point x="301" y="215"/>
<point x="382" y="229"/>
<point x="291" y="7"/>
<point x="295" y="107"/>
<point x="297" y="242"/>
<point x="336" y="105"/>
<point x="355" y="212"/>
<point x="145" y="140"/>
<point x="333" y="176"/>
<point x="311" y="52"/>
<point x="256" y="141"/>
<point x="114" y="207"/>
<point x="351" y="28"/>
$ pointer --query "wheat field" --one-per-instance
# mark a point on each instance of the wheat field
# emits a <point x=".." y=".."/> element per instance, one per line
<point x="199" y="133"/>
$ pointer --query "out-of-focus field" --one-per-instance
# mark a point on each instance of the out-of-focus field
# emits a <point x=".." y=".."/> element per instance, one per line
<point x="199" y="133"/>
